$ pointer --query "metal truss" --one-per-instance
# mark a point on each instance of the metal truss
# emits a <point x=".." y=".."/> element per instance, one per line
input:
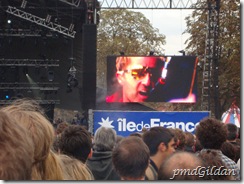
<point x="75" y="3"/>
<point x="149" y="4"/>
<point x="210" y="67"/>
<point x="29" y="62"/>
<point x="40" y="21"/>
<point x="45" y="88"/>
<point x="29" y="86"/>
<point x="23" y="33"/>
<point x="5" y="102"/>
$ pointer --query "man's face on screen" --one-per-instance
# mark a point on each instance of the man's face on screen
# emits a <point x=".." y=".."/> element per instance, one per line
<point x="139" y="77"/>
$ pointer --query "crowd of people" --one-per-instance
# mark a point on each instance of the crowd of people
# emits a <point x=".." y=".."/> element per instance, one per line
<point x="33" y="149"/>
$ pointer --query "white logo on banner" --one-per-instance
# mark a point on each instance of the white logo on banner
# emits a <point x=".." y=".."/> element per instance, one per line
<point x="106" y="123"/>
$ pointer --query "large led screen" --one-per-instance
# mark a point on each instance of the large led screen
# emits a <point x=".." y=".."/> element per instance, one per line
<point x="151" y="79"/>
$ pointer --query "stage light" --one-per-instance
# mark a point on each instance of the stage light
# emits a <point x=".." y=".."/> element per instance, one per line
<point x="183" y="52"/>
<point x="23" y="4"/>
<point x="122" y="53"/>
<point x="69" y="89"/>
<point x="50" y="75"/>
<point x="72" y="81"/>
<point x="7" y="94"/>
<point x="71" y="27"/>
<point x="151" y="53"/>
<point x="25" y="70"/>
<point x="48" y="18"/>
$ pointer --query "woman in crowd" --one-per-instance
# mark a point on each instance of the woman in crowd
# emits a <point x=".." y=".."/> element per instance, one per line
<point x="27" y="113"/>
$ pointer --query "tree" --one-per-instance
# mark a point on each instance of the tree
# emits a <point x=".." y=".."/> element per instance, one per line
<point x="121" y="30"/>
<point x="229" y="47"/>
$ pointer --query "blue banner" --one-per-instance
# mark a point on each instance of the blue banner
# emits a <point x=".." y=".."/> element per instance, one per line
<point x="127" y="122"/>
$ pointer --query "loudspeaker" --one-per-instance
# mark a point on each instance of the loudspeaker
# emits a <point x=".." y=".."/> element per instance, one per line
<point x="89" y="61"/>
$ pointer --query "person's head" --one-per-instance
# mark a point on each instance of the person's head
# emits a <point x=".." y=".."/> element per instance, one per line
<point x="232" y="131"/>
<point x="229" y="150"/>
<point x="61" y="127"/>
<point x="176" y="167"/>
<point x="143" y="130"/>
<point x="76" y="141"/>
<point x="136" y="134"/>
<point x="17" y="150"/>
<point x="211" y="133"/>
<point x="190" y="141"/>
<point x="197" y="146"/>
<point x="181" y="140"/>
<point x="31" y="116"/>
<point x="137" y="76"/>
<point x="104" y="139"/>
<point x="159" y="140"/>
<point x="119" y="138"/>
<point x="75" y="169"/>
<point x="212" y="160"/>
<point x="130" y="158"/>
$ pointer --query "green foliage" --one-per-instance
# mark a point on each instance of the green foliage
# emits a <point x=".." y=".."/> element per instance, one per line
<point x="229" y="47"/>
<point x="127" y="31"/>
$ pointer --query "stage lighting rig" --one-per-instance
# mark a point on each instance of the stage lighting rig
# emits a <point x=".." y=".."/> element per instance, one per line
<point x="40" y="21"/>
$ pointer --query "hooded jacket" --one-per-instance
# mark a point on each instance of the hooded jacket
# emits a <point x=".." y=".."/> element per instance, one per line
<point x="101" y="166"/>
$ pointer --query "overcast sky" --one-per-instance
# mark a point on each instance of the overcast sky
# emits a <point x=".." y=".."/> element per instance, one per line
<point x="171" y="23"/>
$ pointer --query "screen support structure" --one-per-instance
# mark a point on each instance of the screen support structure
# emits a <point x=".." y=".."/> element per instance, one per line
<point x="211" y="59"/>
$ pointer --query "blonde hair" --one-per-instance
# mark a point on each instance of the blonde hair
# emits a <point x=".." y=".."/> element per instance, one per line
<point x="122" y="62"/>
<point x="30" y="115"/>
<point x="75" y="169"/>
<point x="16" y="155"/>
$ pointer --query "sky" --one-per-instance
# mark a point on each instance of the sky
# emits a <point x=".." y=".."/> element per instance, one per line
<point x="172" y="24"/>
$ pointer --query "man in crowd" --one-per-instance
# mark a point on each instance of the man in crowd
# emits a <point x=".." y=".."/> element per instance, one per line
<point x="131" y="158"/>
<point x="232" y="134"/>
<point x="212" y="133"/>
<point x="161" y="144"/>
<point x="101" y="161"/>
<point x="76" y="142"/>
<point x="173" y="166"/>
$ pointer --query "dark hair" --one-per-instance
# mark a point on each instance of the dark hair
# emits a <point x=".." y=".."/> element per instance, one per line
<point x="229" y="150"/>
<point x="197" y="146"/>
<point x="131" y="157"/>
<point x="154" y="136"/>
<point x="232" y="131"/>
<point x="189" y="139"/>
<point x="76" y="141"/>
<point x="211" y="133"/>
<point x="190" y="142"/>
<point x="181" y="137"/>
